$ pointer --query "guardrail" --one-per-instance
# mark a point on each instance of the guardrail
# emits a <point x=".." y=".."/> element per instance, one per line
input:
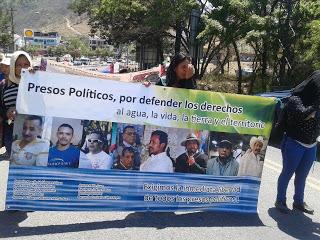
<point x="126" y="77"/>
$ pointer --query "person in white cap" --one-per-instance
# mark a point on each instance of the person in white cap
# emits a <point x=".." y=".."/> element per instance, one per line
<point x="4" y="68"/>
<point x="192" y="161"/>
<point x="250" y="162"/>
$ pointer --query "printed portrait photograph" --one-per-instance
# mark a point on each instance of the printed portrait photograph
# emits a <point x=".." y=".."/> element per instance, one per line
<point x="174" y="150"/>
<point x="65" y="142"/>
<point x="232" y="154"/>
<point x="30" y="141"/>
<point x="95" y="145"/>
<point x="127" y="146"/>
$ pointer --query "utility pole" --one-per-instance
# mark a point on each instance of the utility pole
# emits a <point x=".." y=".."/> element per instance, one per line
<point x="12" y="27"/>
<point x="194" y="46"/>
<point x="177" y="47"/>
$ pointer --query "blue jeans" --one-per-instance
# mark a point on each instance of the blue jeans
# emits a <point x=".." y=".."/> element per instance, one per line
<point x="296" y="159"/>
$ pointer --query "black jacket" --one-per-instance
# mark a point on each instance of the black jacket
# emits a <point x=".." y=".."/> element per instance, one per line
<point x="187" y="84"/>
<point x="297" y="127"/>
<point x="199" y="166"/>
<point x="119" y="166"/>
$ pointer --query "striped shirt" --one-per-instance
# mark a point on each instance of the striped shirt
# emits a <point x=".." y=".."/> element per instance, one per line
<point x="9" y="96"/>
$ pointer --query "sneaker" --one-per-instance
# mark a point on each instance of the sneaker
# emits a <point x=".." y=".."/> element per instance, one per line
<point x="282" y="207"/>
<point x="303" y="207"/>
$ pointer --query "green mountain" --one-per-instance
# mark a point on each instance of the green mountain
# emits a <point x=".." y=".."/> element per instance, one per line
<point x="49" y="15"/>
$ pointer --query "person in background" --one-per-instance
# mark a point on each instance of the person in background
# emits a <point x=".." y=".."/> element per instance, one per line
<point x="4" y="76"/>
<point x="180" y="73"/>
<point x="299" y="145"/>
<point x="4" y="68"/>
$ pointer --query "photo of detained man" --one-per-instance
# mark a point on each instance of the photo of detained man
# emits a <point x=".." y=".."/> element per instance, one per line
<point x="192" y="161"/>
<point x="224" y="164"/>
<point x="158" y="160"/>
<point x="64" y="153"/>
<point x="96" y="158"/>
<point x="30" y="150"/>
<point x="126" y="159"/>
<point x="129" y="139"/>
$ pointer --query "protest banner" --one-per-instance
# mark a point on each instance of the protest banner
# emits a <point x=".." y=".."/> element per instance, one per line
<point x="89" y="144"/>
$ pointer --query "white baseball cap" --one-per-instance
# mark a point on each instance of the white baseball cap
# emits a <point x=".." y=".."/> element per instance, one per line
<point x="5" y="61"/>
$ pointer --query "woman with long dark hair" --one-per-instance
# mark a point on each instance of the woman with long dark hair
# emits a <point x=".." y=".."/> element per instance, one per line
<point x="180" y="73"/>
<point x="299" y="146"/>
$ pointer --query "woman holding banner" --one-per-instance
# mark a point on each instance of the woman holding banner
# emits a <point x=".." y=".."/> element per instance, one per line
<point x="180" y="73"/>
<point x="299" y="145"/>
<point x="18" y="61"/>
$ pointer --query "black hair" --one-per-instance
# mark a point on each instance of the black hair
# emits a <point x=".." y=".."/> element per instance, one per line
<point x="309" y="90"/>
<point x="171" y="76"/>
<point x="225" y="144"/>
<point x="123" y="70"/>
<point x="163" y="137"/>
<point x="127" y="149"/>
<point x="34" y="117"/>
<point x="67" y="126"/>
<point x="98" y="133"/>
<point x="129" y="126"/>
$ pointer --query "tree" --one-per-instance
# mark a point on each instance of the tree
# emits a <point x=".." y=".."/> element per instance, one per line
<point x="33" y="49"/>
<point x="7" y="27"/>
<point x="5" y="37"/>
<point x="142" y="21"/>
<point x="278" y="31"/>
<point x="304" y="16"/>
<point x="103" y="52"/>
<point x="310" y="46"/>
<point x="225" y="25"/>
<point x="77" y="47"/>
<point x="57" y="51"/>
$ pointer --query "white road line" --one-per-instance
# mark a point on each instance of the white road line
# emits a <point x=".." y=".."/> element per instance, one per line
<point x="279" y="166"/>
<point x="309" y="181"/>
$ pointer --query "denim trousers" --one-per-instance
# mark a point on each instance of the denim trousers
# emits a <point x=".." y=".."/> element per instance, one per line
<point x="297" y="159"/>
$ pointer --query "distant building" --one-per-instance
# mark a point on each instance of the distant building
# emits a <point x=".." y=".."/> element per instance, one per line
<point x="97" y="42"/>
<point x="41" y="39"/>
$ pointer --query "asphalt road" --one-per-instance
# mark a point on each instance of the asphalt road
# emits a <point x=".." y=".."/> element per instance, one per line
<point x="267" y="224"/>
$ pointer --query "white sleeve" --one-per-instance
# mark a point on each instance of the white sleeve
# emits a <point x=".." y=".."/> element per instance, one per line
<point x="42" y="156"/>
